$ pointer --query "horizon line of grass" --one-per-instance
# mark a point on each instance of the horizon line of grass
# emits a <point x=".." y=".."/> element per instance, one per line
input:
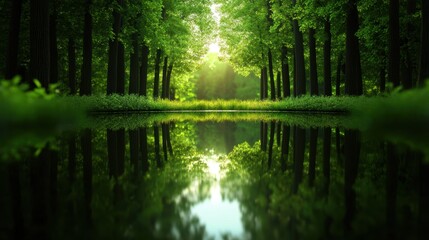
<point x="134" y="103"/>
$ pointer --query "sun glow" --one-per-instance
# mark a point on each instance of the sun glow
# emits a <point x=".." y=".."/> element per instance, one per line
<point x="214" y="48"/>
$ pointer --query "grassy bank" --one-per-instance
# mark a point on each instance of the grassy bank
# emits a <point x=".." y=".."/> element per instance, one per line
<point x="132" y="103"/>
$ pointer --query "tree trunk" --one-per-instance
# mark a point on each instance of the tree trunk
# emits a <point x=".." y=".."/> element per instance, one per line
<point x="157" y="70"/>
<point x="327" y="59"/>
<point x="265" y="82"/>
<point x="112" y="71"/>
<point x="407" y="64"/>
<point x="169" y="72"/>
<point x="394" y="44"/>
<point x="164" y="78"/>
<point x="39" y="41"/>
<point x="424" y="44"/>
<point x="120" y="85"/>
<point x="338" y="79"/>
<point x="353" y="65"/>
<point x="300" y="81"/>
<point x="285" y="73"/>
<point x="279" y="82"/>
<point x="382" y="79"/>
<point x="271" y="72"/>
<point x="134" y="67"/>
<point x="261" y="88"/>
<point x="144" y="70"/>
<point x="53" y="44"/>
<point x="86" y="79"/>
<point x="314" y="84"/>
<point x="13" y="40"/>
<point x="71" y="46"/>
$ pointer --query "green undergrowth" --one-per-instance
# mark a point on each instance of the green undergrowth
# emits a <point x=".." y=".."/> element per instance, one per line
<point x="133" y="121"/>
<point x="133" y="103"/>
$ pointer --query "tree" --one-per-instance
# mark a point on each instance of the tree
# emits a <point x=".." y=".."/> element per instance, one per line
<point x="112" y="75"/>
<point x="394" y="45"/>
<point x="39" y="41"/>
<point x="86" y="80"/>
<point x="300" y="80"/>
<point x="13" y="39"/>
<point x="424" y="44"/>
<point x="353" y="65"/>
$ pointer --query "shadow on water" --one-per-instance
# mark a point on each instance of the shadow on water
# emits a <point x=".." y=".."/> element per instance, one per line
<point x="205" y="177"/>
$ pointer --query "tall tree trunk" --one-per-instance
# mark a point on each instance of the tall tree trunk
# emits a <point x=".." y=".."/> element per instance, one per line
<point x="144" y="70"/>
<point x="112" y="71"/>
<point x="164" y="78"/>
<point x="71" y="46"/>
<point x="271" y="72"/>
<point x="13" y="40"/>
<point x="314" y="84"/>
<point x="261" y="88"/>
<point x="424" y="44"/>
<point x="39" y="41"/>
<point x="157" y="70"/>
<point x="86" y="79"/>
<point x="53" y="43"/>
<point x="279" y="84"/>
<point x="353" y="65"/>
<point x="327" y="59"/>
<point x="408" y="65"/>
<point x="285" y="73"/>
<point x="394" y="44"/>
<point x="265" y="82"/>
<point x="300" y="82"/>
<point x="120" y="85"/>
<point x="134" y="67"/>
<point x="338" y="78"/>
<point x="169" y="72"/>
<point x="382" y="79"/>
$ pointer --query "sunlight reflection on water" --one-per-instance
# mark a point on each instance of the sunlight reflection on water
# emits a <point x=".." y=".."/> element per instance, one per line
<point x="220" y="216"/>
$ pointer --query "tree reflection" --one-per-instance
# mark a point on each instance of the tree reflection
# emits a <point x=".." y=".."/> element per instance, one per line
<point x="148" y="185"/>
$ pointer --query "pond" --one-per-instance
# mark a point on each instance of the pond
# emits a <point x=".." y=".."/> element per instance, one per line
<point x="212" y="176"/>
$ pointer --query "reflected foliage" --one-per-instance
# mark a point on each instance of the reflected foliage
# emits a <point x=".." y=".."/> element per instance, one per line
<point x="144" y="182"/>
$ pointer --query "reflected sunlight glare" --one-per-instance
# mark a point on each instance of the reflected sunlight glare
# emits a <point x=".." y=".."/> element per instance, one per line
<point x="220" y="216"/>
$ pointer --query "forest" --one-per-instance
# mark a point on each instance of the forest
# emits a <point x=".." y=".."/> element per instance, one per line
<point x="214" y="119"/>
<point x="155" y="48"/>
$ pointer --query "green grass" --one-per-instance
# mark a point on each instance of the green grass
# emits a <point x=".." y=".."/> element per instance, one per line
<point x="133" y="103"/>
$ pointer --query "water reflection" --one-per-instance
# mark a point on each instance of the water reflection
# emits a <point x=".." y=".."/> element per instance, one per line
<point x="221" y="217"/>
<point x="214" y="180"/>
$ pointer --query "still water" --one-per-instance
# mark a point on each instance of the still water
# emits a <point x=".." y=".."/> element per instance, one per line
<point x="212" y="179"/>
